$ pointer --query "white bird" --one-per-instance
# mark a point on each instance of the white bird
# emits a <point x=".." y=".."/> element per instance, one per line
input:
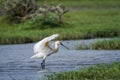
<point x="42" y="48"/>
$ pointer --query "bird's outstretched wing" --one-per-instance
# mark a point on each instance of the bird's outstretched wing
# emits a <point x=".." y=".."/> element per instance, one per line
<point x="39" y="46"/>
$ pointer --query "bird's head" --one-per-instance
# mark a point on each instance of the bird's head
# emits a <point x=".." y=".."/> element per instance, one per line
<point x="60" y="43"/>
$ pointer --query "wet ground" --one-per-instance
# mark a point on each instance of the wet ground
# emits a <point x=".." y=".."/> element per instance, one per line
<point x="15" y="62"/>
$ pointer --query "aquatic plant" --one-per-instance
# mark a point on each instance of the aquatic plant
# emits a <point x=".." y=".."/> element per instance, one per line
<point x="97" y="72"/>
<point x="105" y="45"/>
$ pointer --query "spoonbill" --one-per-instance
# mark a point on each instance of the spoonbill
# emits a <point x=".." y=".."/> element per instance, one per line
<point x="42" y="48"/>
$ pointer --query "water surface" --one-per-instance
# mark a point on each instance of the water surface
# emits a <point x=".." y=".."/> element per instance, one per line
<point x="15" y="62"/>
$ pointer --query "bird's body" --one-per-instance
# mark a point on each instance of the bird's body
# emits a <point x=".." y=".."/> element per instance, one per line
<point x="42" y="48"/>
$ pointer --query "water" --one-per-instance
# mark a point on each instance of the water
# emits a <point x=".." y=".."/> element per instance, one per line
<point x="15" y="62"/>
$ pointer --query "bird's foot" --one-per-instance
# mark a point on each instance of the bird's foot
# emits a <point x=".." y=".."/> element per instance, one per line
<point x="43" y="65"/>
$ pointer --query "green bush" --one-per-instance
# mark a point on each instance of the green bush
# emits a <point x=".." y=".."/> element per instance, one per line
<point x="17" y="10"/>
<point x="21" y="10"/>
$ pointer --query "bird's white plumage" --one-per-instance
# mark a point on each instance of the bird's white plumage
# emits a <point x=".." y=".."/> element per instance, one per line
<point x="39" y="46"/>
<point x="40" y="49"/>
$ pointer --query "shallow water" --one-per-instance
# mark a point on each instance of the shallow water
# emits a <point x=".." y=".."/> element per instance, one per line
<point x="15" y="62"/>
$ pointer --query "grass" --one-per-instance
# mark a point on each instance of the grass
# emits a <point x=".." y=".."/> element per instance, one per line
<point x="85" y="3"/>
<point x="83" y="25"/>
<point x="82" y="4"/>
<point x="97" y="72"/>
<point x="105" y="45"/>
<point x="78" y="24"/>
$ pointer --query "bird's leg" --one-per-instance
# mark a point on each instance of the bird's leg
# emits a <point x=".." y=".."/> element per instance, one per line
<point x="43" y="64"/>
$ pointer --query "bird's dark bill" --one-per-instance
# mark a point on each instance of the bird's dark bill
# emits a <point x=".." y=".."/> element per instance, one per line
<point x="64" y="46"/>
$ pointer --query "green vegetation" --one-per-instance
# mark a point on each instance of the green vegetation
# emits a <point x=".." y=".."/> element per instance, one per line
<point x="84" y="24"/>
<point x="97" y="72"/>
<point x="85" y="3"/>
<point x="86" y="19"/>
<point x="92" y="22"/>
<point x="18" y="11"/>
<point x="110" y="44"/>
<point x="106" y="45"/>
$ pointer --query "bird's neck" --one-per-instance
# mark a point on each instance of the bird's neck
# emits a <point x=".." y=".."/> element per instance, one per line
<point x="56" y="49"/>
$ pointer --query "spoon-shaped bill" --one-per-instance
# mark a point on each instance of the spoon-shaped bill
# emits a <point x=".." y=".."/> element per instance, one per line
<point x="64" y="46"/>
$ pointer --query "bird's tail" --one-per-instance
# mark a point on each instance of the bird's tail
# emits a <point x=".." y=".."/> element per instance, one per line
<point x="36" y="56"/>
<point x="32" y="57"/>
